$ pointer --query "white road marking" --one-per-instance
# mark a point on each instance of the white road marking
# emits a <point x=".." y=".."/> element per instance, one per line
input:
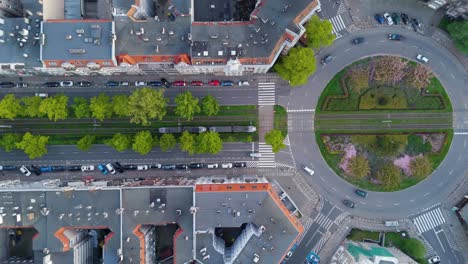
<point x="450" y="172"/>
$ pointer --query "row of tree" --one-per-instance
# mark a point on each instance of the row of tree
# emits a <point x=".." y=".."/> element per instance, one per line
<point x="458" y="31"/>
<point x="141" y="106"/>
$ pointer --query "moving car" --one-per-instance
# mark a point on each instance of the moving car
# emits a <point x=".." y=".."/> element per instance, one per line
<point x="140" y="83"/>
<point x="361" y="193"/>
<point x="154" y="83"/>
<point x="110" y="168"/>
<point x="103" y="169"/>
<point x="196" y="166"/>
<point x="84" y="83"/>
<point x="42" y="95"/>
<point x="326" y="59"/>
<point x="179" y="83"/>
<point x="86" y="168"/>
<point x="240" y="164"/>
<point x="196" y="83"/>
<point x="379" y="18"/>
<point x="214" y="83"/>
<point x="118" y="167"/>
<point x="166" y="83"/>
<point x="66" y="83"/>
<point x="349" y="204"/>
<point x="421" y="58"/>
<point x="309" y="170"/>
<point x="227" y="83"/>
<point x="25" y="171"/>
<point x="226" y="165"/>
<point x="357" y="40"/>
<point x="243" y="83"/>
<point x="142" y="167"/>
<point x="395" y="37"/>
<point x="434" y="260"/>
<point x="388" y="18"/>
<point x="7" y="85"/>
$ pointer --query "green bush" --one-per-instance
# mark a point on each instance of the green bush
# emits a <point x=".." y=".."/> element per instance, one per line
<point x="416" y="145"/>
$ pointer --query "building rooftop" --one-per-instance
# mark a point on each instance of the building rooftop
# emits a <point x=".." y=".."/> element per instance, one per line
<point x="81" y="40"/>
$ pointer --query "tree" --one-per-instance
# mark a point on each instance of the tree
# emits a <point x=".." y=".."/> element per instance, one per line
<point x="390" y="144"/>
<point x="390" y="176"/>
<point x="10" y="107"/>
<point x="389" y="69"/>
<point x="119" y="142"/>
<point x="416" y="145"/>
<point x="319" y="33"/>
<point x="146" y="104"/>
<point x="120" y="105"/>
<point x="101" y="107"/>
<point x="459" y="33"/>
<point x="55" y="107"/>
<point x="275" y="138"/>
<point x="210" y="105"/>
<point x="359" y="166"/>
<point x="143" y="142"/>
<point x="80" y="107"/>
<point x="31" y="106"/>
<point x="209" y="142"/>
<point x="167" y="142"/>
<point x="421" y="166"/>
<point x="33" y="146"/>
<point x="187" y="142"/>
<point x="86" y="142"/>
<point x="8" y="141"/>
<point x="186" y="105"/>
<point x="297" y="66"/>
<point x="419" y="76"/>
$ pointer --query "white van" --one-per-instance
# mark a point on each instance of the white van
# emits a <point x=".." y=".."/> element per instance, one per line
<point x="309" y="170"/>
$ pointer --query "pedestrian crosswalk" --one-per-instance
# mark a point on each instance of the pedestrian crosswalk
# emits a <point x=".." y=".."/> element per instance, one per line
<point x="318" y="247"/>
<point x="342" y="8"/>
<point x="323" y="221"/>
<point x="252" y="164"/>
<point x="299" y="110"/>
<point x="266" y="93"/>
<point x="267" y="158"/>
<point x="338" y="25"/>
<point x="429" y="220"/>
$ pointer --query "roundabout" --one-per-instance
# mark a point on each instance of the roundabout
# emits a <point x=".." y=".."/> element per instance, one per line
<point x="379" y="205"/>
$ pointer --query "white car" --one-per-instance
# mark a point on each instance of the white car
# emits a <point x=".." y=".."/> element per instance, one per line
<point x="123" y="83"/>
<point x="309" y="170"/>
<point x="434" y="260"/>
<point x="66" y="83"/>
<point x="25" y="171"/>
<point x="140" y="83"/>
<point x="421" y="58"/>
<point x="388" y="18"/>
<point x="142" y="167"/>
<point x="87" y="168"/>
<point x="226" y="165"/>
<point x="243" y="83"/>
<point x="212" y="166"/>
<point x="42" y="95"/>
<point x="110" y="168"/>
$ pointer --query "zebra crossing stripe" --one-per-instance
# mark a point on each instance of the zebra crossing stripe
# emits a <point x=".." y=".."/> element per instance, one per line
<point x="267" y="159"/>
<point x="337" y="23"/>
<point x="324" y="221"/>
<point x="342" y="8"/>
<point x="429" y="220"/>
<point x="299" y="110"/>
<point x="266" y="93"/>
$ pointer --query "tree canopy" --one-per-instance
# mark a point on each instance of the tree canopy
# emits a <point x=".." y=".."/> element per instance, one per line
<point x="142" y="142"/>
<point x="10" y="107"/>
<point x="421" y="166"/>
<point x="319" y="33"/>
<point x="33" y="146"/>
<point x="80" y="107"/>
<point x="186" y="105"/>
<point x="31" y="106"/>
<point x="167" y="142"/>
<point x="101" y="107"/>
<point x="209" y="142"/>
<point x="85" y="142"/>
<point x="297" y="66"/>
<point x="390" y="176"/>
<point x="8" y="141"/>
<point x="119" y="142"/>
<point x="275" y="138"/>
<point x="120" y="105"/>
<point x="210" y="105"/>
<point x="145" y="104"/>
<point x="359" y="166"/>
<point x="459" y="32"/>
<point x="187" y="143"/>
<point x="55" y="107"/>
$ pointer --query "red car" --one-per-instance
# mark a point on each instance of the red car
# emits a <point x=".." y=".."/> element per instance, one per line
<point x="196" y="83"/>
<point x="214" y="83"/>
<point x="180" y="83"/>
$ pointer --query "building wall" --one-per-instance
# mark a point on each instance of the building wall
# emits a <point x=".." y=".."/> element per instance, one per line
<point x="83" y="251"/>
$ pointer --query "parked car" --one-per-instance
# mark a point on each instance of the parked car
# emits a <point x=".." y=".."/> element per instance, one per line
<point x="227" y="83"/>
<point x="46" y="169"/>
<point x="110" y="168"/>
<point x="130" y="167"/>
<point x="84" y="83"/>
<point x="179" y="83"/>
<point x="112" y="83"/>
<point x="86" y="168"/>
<point x="308" y="170"/>
<point x="388" y="18"/>
<point x="42" y="95"/>
<point x="349" y="204"/>
<point x="421" y="58"/>
<point x="142" y="167"/>
<point x="8" y="168"/>
<point x="214" y="83"/>
<point x="243" y="83"/>
<point x="166" y="83"/>
<point x="52" y="84"/>
<point x="118" y="167"/>
<point x="404" y="18"/>
<point x="379" y="18"/>
<point x="7" y="85"/>
<point x="25" y="171"/>
<point x="74" y="168"/>
<point x="154" y="83"/>
<point x="140" y="83"/>
<point x="240" y="164"/>
<point x="395" y="37"/>
<point x="396" y="18"/>
<point x="103" y="169"/>
<point x="196" y="83"/>
<point x="168" y="167"/>
<point x="326" y="59"/>
<point x="124" y="83"/>
<point x="66" y="83"/>
<point x="212" y="166"/>
<point x="357" y="40"/>
<point x="415" y="24"/>
<point x="182" y="167"/>
<point x="196" y="166"/>
<point x="155" y="166"/>
<point x="21" y="85"/>
<point x="226" y="165"/>
<point x="35" y="170"/>
<point x="434" y="260"/>
<point x="361" y="193"/>
<point x="58" y="168"/>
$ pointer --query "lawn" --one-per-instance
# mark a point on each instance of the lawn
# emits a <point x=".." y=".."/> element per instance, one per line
<point x="281" y="119"/>
<point x="360" y="235"/>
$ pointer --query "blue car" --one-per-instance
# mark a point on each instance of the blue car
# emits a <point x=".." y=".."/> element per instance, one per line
<point x="227" y="83"/>
<point x="312" y="258"/>
<point x="380" y="18"/>
<point x="46" y="169"/>
<point x="103" y="169"/>
<point x="112" y="83"/>
<point x="154" y="84"/>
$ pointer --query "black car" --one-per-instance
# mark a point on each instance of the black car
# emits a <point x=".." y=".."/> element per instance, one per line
<point x="155" y="166"/>
<point x="8" y="168"/>
<point x="240" y="164"/>
<point x="349" y="204"/>
<point x="52" y="84"/>
<point x="395" y="37"/>
<point x="84" y="83"/>
<point x="154" y="83"/>
<point x="357" y="40"/>
<point x="326" y="59"/>
<point x="112" y="83"/>
<point x="130" y="167"/>
<point x="182" y="166"/>
<point x="35" y="170"/>
<point x="196" y="165"/>
<point x="118" y="167"/>
<point x="166" y="83"/>
<point x="7" y="85"/>
<point x="404" y="18"/>
<point x="74" y="168"/>
<point x="58" y="168"/>
<point x="168" y="167"/>
<point x="415" y="24"/>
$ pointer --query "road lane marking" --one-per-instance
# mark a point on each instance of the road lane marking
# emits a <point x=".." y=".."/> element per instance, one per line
<point x="450" y="172"/>
<point x="412" y="200"/>
<point x="426" y="194"/>
<point x="396" y="204"/>
<point x="346" y="50"/>
<point x="378" y="205"/>
<point x="440" y="242"/>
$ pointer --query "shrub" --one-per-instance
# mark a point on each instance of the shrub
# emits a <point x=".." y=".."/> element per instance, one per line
<point x="416" y="145"/>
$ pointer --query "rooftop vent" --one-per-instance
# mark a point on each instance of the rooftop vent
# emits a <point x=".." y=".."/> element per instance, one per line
<point x="80" y="31"/>
<point x="69" y="37"/>
<point x="205" y="53"/>
<point x="77" y="51"/>
<point x="220" y="53"/>
<point x="233" y="53"/>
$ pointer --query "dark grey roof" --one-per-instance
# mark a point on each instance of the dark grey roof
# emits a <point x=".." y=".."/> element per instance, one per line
<point x="10" y="50"/>
<point x="85" y="40"/>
